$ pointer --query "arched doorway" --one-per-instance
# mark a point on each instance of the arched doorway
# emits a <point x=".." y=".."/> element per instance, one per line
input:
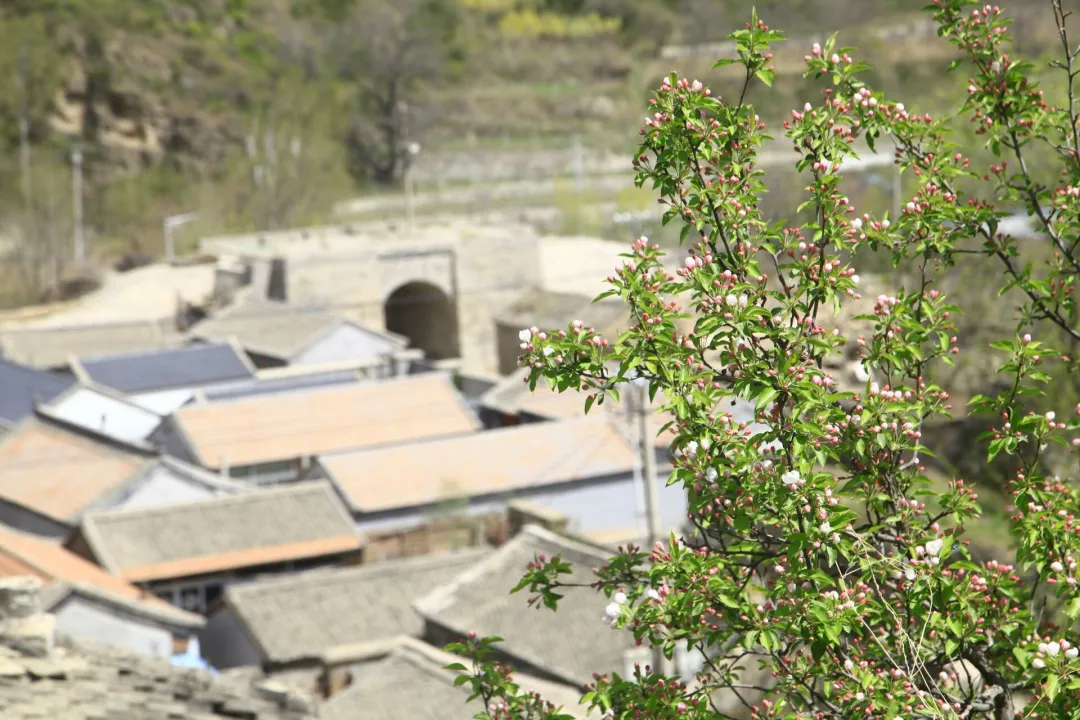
<point x="424" y="314"/>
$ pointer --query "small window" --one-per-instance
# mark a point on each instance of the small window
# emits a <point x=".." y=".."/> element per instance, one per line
<point x="191" y="599"/>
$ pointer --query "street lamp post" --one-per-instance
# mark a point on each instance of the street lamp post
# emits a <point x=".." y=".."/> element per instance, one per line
<point x="77" y="202"/>
<point x="171" y="223"/>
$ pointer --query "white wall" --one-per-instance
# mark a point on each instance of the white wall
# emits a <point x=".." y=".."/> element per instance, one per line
<point x="164" y="488"/>
<point x="345" y="342"/>
<point x="81" y="619"/>
<point x="225" y="644"/>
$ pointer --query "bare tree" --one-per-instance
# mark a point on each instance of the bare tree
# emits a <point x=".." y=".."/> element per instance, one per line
<point x="389" y="52"/>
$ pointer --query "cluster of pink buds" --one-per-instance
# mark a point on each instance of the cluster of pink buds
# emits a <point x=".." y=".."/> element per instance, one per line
<point x="865" y="98"/>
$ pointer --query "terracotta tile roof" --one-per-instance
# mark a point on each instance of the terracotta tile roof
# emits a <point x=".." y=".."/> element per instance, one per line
<point x="293" y="522"/>
<point x="482" y="463"/>
<point x="408" y="681"/>
<point x="570" y="644"/>
<point x="58" y="472"/>
<point x="22" y="554"/>
<point x="316" y="422"/>
<point x="303" y="615"/>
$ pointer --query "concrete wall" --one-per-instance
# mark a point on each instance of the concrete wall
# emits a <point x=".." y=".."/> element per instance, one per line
<point x="19" y="518"/>
<point x="225" y="643"/>
<point x="345" y="342"/>
<point x="481" y="269"/>
<point x="597" y="506"/>
<point x="82" y="619"/>
<point x="164" y="488"/>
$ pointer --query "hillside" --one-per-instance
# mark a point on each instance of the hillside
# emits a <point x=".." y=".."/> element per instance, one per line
<point x="266" y="113"/>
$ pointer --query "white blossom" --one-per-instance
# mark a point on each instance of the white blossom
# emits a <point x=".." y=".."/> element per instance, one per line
<point x="691" y="448"/>
<point x="856" y="224"/>
<point x="548" y="350"/>
<point x="1051" y="415"/>
<point x="653" y="595"/>
<point x="825" y="527"/>
<point x="525" y="335"/>
<point x="619" y="597"/>
<point x="934" y="547"/>
<point x="711" y="474"/>
<point x="909" y="572"/>
<point x="1056" y="566"/>
<point x="791" y="477"/>
<point x="1053" y="648"/>
<point x="1072" y="653"/>
<point x="1038" y="664"/>
<point x="612" y="613"/>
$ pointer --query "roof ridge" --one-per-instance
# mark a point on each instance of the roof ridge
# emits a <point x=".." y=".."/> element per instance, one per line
<point x="344" y="574"/>
<point x="344" y="387"/>
<point x="155" y="351"/>
<point x="263" y="495"/>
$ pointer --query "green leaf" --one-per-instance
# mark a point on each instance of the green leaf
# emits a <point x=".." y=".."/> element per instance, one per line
<point x="766" y="76"/>
<point x="818" y="649"/>
<point x="766" y="396"/>
<point x="1053" y="684"/>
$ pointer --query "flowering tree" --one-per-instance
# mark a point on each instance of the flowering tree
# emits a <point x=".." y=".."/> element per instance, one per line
<point x="822" y="552"/>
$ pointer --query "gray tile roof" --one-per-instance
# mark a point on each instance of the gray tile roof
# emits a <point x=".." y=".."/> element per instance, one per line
<point x="303" y="615"/>
<point x="22" y="386"/>
<point x="570" y="644"/>
<point x="83" y="682"/>
<point x="52" y="347"/>
<point x="277" y="329"/>
<point x="302" y="520"/>
<point x="179" y="367"/>
<point x="410" y="683"/>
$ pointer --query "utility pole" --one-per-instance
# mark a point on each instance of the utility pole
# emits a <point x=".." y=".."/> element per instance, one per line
<point x="660" y="664"/>
<point x="24" y="125"/>
<point x="648" y="462"/>
<point x="77" y="198"/>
